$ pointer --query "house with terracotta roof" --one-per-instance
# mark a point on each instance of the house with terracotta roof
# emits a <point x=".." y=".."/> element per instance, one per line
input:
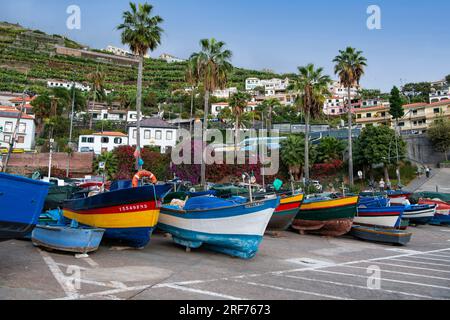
<point x="155" y="132"/>
<point x="25" y="137"/>
<point x="102" y="142"/>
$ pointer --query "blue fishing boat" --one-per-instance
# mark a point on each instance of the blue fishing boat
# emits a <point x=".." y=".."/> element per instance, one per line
<point x="128" y="214"/>
<point x="231" y="226"/>
<point x="68" y="238"/>
<point x="389" y="217"/>
<point x="420" y="214"/>
<point x="21" y="203"/>
<point x="383" y="235"/>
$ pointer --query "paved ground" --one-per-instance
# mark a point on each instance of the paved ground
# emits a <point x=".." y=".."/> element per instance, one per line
<point x="439" y="178"/>
<point x="290" y="267"/>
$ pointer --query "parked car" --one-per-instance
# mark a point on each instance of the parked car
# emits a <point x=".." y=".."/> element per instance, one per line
<point x="86" y="150"/>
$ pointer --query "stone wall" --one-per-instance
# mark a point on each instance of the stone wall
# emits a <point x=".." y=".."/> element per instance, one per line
<point x="421" y="150"/>
<point x="80" y="163"/>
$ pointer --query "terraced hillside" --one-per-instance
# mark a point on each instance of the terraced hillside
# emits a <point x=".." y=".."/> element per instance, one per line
<point x="28" y="58"/>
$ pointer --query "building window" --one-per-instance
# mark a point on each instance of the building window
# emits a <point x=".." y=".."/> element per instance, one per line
<point x="22" y="127"/>
<point x="401" y="124"/>
<point x="414" y="112"/>
<point x="158" y="135"/>
<point x="359" y="116"/>
<point x="90" y="140"/>
<point x="83" y="139"/>
<point x="134" y="134"/>
<point x="105" y="140"/>
<point x="20" y="139"/>
<point x="7" y="138"/>
<point x="169" y="135"/>
<point x="147" y="134"/>
<point x="105" y="116"/>
<point x="8" y="126"/>
<point x="436" y="110"/>
<point x="369" y="115"/>
<point x="118" y="140"/>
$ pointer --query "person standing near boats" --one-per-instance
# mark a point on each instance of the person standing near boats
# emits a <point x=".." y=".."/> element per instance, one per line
<point x="382" y="185"/>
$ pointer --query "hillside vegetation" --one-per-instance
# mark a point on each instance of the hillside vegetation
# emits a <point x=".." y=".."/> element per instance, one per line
<point x="28" y="58"/>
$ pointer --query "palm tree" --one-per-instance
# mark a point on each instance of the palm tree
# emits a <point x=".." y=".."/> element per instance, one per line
<point x="97" y="80"/>
<point x="268" y="105"/>
<point x="213" y="64"/>
<point x="312" y="88"/>
<point x="238" y="103"/>
<point x="350" y="65"/>
<point x="293" y="154"/>
<point x="142" y="32"/>
<point x="192" y="78"/>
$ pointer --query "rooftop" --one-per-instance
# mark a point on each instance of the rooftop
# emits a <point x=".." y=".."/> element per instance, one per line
<point x="154" y="123"/>
<point x="110" y="134"/>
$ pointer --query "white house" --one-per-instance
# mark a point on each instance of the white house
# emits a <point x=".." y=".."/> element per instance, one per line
<point x="67" y="85"/>
<point x="102" y="142"/>
<point x="216" y="108"/>
<point x="338" y="90"/>
<point x="154" y="132"/>
<point x="225" y="93"/>
<point x="438" y="95"/>
<point x="271" y="86"/>
<point x="169" y="58"/>
<point x="25" y="133"/>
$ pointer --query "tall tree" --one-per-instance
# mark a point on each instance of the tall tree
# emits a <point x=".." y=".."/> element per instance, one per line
<point x="397" y="112"/>
<point x="349" y="66"/>
<point x="293" y="153"/>
<point x="192" y="77"/>
<point x="439" y="135"/>
<point x="97" y="80"/>
<point x="213" y="63"/>
<point x="238" y="104"/>
<point x="312" y="88"/>
<point x="142" y="32"/>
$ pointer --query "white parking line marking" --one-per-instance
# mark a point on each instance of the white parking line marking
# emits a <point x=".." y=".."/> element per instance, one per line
<point x="362" y="287"/>
<point x="203" y="292"/>
<point x="420" y="262"/>
<point x="65" y="283"/>
<point x="403" y="273"/>
<point x="432" y="259"/>
<point x="293" y="290"/>
<point x="438" y="255"/>
<point x="384" y="279"/>
<point x="410" y="267"/>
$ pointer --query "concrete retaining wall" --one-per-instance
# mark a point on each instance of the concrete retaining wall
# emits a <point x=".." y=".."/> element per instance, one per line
<point x="421" y="150"/>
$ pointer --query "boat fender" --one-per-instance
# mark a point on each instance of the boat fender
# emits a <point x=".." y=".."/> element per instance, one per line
<point x="142" y="174"/>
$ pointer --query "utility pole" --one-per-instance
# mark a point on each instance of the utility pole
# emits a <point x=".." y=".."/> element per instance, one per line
<point x="16" y="128"/>
<point x="71" y="130"/>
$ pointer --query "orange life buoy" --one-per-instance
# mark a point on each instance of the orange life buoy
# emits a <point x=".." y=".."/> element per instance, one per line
<point x="142" y="174"/>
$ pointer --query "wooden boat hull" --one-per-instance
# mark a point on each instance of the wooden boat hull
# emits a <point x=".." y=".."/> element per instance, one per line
<point x="128" y="215"/>
<point x="62" y="238"/>
<point x="382" y="235"/>
<point x="327" y="217"/>
<point x="285" y="213"/>
<point x="236" y="231"/>
<point x="21" y="203"/>
<point x="388" y="217"/>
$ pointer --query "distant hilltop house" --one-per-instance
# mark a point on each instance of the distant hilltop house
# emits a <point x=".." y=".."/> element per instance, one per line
<point x="67" y="85"/>
<point x="337" y="103"/>
<point x="225" y="93"/>
<point x="170" y="59"/>
<point x="121" y="52"/>
<point x="216" y="108"/>
<point x="271" y="87"/>
<point x="440" y="91"/>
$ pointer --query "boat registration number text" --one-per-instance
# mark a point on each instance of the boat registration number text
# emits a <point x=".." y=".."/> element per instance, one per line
<point x="133" y="208"/>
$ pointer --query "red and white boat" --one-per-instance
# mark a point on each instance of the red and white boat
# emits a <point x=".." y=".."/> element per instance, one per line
<point x="443" y="208"/>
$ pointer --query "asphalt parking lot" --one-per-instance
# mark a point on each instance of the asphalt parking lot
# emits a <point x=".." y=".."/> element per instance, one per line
<point x="291" y="267"/>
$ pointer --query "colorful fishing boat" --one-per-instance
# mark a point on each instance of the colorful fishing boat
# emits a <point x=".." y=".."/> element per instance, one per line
<point x="231" y="226"/>
<point x="389" y="217"/>
<point x="285" y="213"/>
<point x="325" y="216"/>
<point x="399" y="197"/>
<point x="21" y="203"/>
<point x="127" y="214"/>
<point x="420" y="214"/>
<point x="67" y="238"/>
<point x="382" y="235"/>
<point x="442" y="216"/>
